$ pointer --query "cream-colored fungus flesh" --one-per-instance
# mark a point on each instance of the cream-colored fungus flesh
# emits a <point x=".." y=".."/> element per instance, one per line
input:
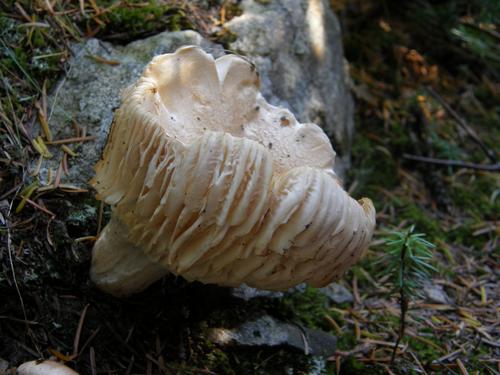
<point x="209" y="181"/>
<point x="47" y="367"/>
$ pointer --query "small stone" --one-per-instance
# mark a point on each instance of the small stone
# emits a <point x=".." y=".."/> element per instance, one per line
<point x="247" y="293"/>
<point x="436" y="294"/>
<point x="373" y="303"/>
<point x="337" y="293"/>
<point x="267" y="331"/>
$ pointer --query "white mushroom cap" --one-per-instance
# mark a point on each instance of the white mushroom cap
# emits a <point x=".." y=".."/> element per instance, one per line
<point x="209" y="181"/>
<point x="44" y="368"/>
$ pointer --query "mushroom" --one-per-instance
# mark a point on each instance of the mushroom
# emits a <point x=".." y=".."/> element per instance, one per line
<point x="44" y="368"/>
<point x="209" y="181"/>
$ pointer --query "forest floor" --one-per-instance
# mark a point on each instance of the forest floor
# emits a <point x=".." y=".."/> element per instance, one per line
<point x="426" y="83"/>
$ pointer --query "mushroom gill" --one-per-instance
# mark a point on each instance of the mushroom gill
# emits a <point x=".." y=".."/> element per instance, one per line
<point x="209" y="181"/>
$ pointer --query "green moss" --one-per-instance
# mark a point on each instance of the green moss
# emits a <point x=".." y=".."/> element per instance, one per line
<point x="424" y="351"/>
<point x="136" y="21"/>
<point x="475" y="196"/>
<point x="476" y="358"/>
<point x="422" y="218"/>
<point x="346" y="341"/>
<point x="248" y="360"/>
<point x="309" y="308"/>
<point x="232" y="9"/>
<point x="353" y="366"/>
<point x="217" y="360"/>
<point x="375" y="167"/>
<point x="444" y="148"/>
<point x="225" y="37"/>
<point x="11" y="56"/>
<point x="34" y="58"/>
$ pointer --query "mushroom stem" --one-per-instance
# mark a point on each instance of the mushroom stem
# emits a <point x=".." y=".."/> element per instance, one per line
<point x="118" y="266"/>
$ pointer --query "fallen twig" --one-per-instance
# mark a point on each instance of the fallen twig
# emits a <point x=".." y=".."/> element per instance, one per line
<point x="41" y="208"/>
<point x="449" y="356"/>
<point x="454" y="163"/>
<point x="461" y="367"/>
<point x="415" y="358"/>
<point x="89" y="340"/>
<point x="72" y="140"/>
<point x="30" y="322"/>
<point x="92" y="361"/>
<point x="463" y="124"/>
<point x="334" y="324"/>
<point x="102" y="60"/>
<point x="76" y="342"/>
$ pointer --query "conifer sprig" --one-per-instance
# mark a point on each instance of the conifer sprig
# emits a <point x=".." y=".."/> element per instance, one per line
<point x="408" y="261"/>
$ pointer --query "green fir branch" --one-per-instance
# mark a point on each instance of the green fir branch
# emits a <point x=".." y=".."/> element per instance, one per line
<point x="407" y="260"/>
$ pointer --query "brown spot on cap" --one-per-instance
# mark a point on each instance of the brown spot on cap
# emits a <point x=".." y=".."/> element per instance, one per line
<point x="284" y="121"/>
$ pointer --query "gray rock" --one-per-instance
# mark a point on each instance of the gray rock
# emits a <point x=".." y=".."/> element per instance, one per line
<point x="337" y="293"/>
<point x="436" y="294"/>
<point x="266" y="331"/>
<point x="298" y="56"/>
<point x="92" y="90"/>
<point x="297" y="48"/>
